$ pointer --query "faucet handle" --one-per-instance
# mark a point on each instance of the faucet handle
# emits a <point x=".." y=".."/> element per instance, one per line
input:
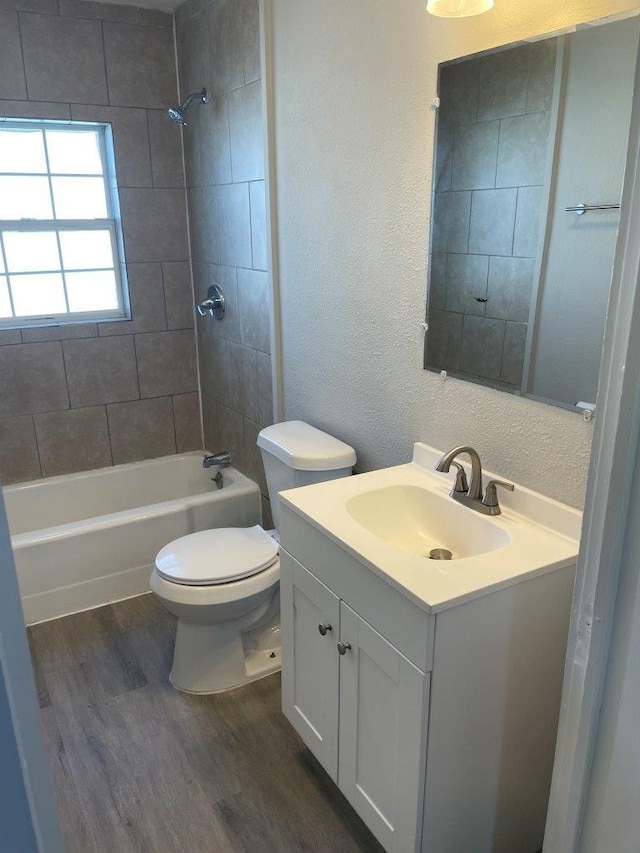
<point x="461" y="484"/>
<point x="490" y="498"/>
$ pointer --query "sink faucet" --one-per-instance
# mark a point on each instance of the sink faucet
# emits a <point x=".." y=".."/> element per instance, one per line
<point x="472" y="496"/>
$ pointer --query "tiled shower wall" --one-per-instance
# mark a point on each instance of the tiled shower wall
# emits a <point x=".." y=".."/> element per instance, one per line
<point x="85" y="396"/>
<point x="219" y="48"/>
<point x="492" y="143"/>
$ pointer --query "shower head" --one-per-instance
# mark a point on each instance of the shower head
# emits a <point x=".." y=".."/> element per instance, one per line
<point x="179" y="114"/>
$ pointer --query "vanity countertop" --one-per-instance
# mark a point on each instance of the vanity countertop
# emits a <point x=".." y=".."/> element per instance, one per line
<point x="534" y="534"/>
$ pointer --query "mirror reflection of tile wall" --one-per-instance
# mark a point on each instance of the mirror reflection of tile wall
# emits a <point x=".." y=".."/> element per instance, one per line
<point x="491" y="155"/>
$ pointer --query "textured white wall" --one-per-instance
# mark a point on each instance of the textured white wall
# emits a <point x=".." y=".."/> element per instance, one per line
<point x="354" y="136"/>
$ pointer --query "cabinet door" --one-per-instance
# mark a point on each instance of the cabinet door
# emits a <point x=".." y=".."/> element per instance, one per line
<point x="383" y="727"/>
<point x="310" y="661"/>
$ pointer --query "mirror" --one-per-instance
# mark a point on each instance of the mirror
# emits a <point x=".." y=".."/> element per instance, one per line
<point x="519" y="284"/>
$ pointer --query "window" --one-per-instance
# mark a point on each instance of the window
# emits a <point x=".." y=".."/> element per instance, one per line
<point x="61" y="258"/>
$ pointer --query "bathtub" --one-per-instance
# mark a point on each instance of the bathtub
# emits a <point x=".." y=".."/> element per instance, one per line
<point x="83" y="540"/>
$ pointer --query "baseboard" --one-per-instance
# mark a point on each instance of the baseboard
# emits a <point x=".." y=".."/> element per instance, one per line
<point x="63" y="601"/>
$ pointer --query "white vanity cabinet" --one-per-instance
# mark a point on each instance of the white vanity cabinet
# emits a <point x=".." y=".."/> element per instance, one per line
<point x="439" y="727"/>
<point x="358" y="704"/>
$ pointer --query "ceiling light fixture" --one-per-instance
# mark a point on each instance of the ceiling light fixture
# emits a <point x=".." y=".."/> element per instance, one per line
<point x="458" y="8"/>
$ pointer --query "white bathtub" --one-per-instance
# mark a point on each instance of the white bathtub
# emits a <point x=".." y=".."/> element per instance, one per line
<point x="83" y="540"/>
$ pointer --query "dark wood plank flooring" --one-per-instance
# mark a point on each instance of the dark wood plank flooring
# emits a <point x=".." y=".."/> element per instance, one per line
<point x="139" y="768"/>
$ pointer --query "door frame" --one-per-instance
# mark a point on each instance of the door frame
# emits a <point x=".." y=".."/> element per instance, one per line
<point x="606" y="516"/>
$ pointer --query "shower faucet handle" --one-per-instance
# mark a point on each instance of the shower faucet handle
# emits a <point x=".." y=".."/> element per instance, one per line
<point x="214" y="304"/>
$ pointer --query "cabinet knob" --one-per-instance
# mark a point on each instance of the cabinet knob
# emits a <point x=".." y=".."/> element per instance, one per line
<point x="324" y="627"/>
<point x="342" y="648"/>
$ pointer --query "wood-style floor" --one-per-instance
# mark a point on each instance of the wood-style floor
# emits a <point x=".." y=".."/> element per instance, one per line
<point x="139" y="768"/>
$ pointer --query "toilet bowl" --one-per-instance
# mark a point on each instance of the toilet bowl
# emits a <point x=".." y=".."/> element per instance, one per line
<point x="223" y="584"/>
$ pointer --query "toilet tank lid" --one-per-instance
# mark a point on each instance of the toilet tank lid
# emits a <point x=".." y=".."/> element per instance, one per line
<point x="305" y="448"/>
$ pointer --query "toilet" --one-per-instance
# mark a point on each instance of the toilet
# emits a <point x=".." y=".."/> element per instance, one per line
<point x="223" y="584"/>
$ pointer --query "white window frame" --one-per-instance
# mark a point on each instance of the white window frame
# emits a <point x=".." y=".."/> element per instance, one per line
<point x="112" y="224"/>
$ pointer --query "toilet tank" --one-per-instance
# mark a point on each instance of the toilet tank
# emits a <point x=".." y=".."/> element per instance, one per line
<point x="297" y="454"/>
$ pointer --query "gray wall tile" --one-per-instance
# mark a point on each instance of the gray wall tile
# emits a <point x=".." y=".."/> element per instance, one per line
<point x="47" y="7"/>
<point x="542" y="69"/>
<point x="34" y="109"/>
<point x="234" y="225"/>
<point x="166" y="150"/>
<point x="482" y="344"/>
<point x="458" y="91"/>
<point x="210" y="425"/>
<point x="509" y="292"/>
<point x="166" y="363"/>
<point x="243" y="380"/>
<point x="59" y="333"/>
<point x="522" y="152"/>
<point x="225" y="40"/>
<point x="212" y="351"/>
<point x="146" y="293"/>
<point x="155" y="18"/>
<point x="437" y="280"/>
<point x="246" y="133"/>
<point x="101" y="370"/>
<point x="63" y="59"/>
<point x="178" y="294"/>
<point x="503" y="84"/>
<point x="65" y="70"/>
<point x="186" y="414"/>
<point x="203" y="224"/>
<point x="493" y="214"/>
<point x="192" y="37"/>
<point x="130" y="140"/>
<point x="265" y="389"/>
<point x="229" y="327"/>
<point x="259" y="240"/>
<point x="215" y="152"/>
<point x="249" y="14"/>
<point x="252" y="456"/>
<point x="451" y="213"/>
<point x="231" y="434"/>
<point x="444" y="339"/>
<point x="227" y="219"/>
<point x="142" y="429"/>
<point x="12" y="83"/>
<point x="529" y="217"/>
<point x="32" y="379"/>
<point x="155" y="225"/>
<point x="137" y="73"/>
<point x="254" y="299"/>
<point x="102" y="11"/>
<point x="19" y="459"/>
<point x="475" y="152"/>
<point x="444" y="159"/>
<point x="75" y="440"/>
<point x="10" y="336"/>
<point x="515" y="340"/>
<point x="467" y="281"/>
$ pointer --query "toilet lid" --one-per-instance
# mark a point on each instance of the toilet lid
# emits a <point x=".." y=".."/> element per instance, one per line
<point x="217" y="556"/>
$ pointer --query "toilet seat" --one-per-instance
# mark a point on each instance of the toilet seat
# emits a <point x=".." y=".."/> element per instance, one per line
<point x="215" y="557"/>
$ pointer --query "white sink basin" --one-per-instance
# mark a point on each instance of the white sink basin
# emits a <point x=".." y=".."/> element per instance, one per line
<point x="417" y="520"/>
<point x="392" y="518"/>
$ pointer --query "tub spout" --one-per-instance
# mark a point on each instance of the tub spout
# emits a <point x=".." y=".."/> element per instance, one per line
<point x="220" y="460"/>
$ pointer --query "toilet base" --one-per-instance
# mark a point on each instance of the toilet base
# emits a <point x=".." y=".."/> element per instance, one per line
<point x="215" y="658"/>
<point x="258" y="664"/>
